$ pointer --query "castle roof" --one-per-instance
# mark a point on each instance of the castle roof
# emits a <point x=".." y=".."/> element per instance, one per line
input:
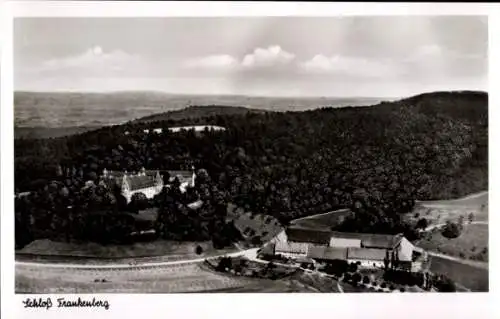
<point x="180" y="175"/>
<point x="136" y="182"/>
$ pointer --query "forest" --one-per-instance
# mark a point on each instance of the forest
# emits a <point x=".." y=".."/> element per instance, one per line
<point x="375" y="160"/>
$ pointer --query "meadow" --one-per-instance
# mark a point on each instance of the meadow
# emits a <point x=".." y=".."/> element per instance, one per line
<point x="471" y="244"/>
<point x="325" y="220"/>
<point x="93" y="253"/>
<point x="474" y="278"/>
<point x="166" y="279"/>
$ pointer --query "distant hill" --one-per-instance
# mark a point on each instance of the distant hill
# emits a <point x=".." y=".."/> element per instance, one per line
<point x="49" y="132"/>
<point x="189" y="116"/>
<point x="69" y="110"/>
<point x="197" y="112"/>
<point x="374" y="160"/>
<point x="469" y="106"/>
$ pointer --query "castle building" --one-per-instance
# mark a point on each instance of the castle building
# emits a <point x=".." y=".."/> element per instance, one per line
<point x="148" y="182"/>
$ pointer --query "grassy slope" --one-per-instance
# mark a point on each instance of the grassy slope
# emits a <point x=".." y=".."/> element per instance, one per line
<point x="469" y="245"/>
<point x="172" y="279"/>
<point x="322" y="220"/>
<point x="264" y="226"/>
<point x="474" y="278"/>
<point x="173" y="250"/>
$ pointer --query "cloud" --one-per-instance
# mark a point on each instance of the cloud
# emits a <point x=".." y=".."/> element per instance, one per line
<point x="435" y="52"/>
<point x="222" y="61"/>
<point x="260" y="59"/>
<point x="350" y="66"/>
<point x="268" y="57"/>
<point x="93" y="61"/>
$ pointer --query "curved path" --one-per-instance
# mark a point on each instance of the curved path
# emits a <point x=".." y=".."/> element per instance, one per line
<point x="431" y="227"/>
<point x="248" y="252"/>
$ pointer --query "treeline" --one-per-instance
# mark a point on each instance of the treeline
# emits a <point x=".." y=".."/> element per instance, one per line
<point x="376" y="160"/>
<point x="100" y="213"/>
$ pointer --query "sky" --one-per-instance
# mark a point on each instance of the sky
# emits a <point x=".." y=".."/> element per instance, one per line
<point x="384" y="56"/>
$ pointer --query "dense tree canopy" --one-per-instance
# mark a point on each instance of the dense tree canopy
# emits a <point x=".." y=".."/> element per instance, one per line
<point x="376" y="160"/>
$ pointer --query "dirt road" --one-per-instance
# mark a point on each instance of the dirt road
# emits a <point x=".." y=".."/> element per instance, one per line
<point x="159" y="277"/>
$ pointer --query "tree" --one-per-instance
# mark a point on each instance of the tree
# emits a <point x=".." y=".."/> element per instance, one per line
<point x="199" y="250"/>
<point x="471" y="217"/>
<point x="256" y="241"/>
<point x="356" y="277"/>
<point x="138" y="201"/>
<point x="422" y="223"/>
<point x="225" y="263"/>
<point x="461" y="220"/>
<point x="451" y="230"/>
<point x="353" y="267"/>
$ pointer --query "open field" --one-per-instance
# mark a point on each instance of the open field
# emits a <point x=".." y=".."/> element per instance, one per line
<point x="439" y="212"/>
<point x="250" y="225"/>
<point x="327" y="220"/>
<point x="471" y="243"/>
<point x="92" y="253"/>
<point x="474" y="278"/>
<point x="155" y="279"/>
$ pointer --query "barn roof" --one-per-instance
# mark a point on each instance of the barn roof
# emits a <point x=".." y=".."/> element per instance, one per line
<point x="322" y="236"/>
<point x="291" y="247"/>
<point x="307" y="235"/>
<point x="327" y="253"/>
<point x="366" y="253"/>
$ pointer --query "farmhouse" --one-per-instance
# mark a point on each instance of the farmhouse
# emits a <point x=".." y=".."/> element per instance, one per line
<point x="366" y="250"/>
<point x="148" y="182"/>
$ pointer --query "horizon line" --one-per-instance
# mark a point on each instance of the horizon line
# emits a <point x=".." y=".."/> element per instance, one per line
<point x="246" y="95"/>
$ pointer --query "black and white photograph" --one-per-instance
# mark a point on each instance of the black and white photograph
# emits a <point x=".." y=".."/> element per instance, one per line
<point x="250" y="154"/>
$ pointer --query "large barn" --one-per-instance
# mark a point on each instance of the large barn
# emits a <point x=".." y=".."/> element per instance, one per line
<point x="366" y="250"/>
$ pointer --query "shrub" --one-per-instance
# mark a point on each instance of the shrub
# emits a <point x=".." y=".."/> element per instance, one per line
<point x="451" y="230"/>
<point x="422" y="223"/>
<point x="347" y="277"/>
<point x="402" y="289"/>
<point x="366" y="280"/>
<point x="444" y="284"/>
<point x="198" y="250"/>
<point x="383" y="285"/>
<point x="256" y="240"/>
<point x="353" y="267"/>
<point x="392" y="287"/>
<point x="471" y="217"/>
<point x="356" y="277"/>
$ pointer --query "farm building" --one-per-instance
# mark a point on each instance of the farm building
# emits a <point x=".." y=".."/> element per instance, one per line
<point x="367" y="250"/>
<point x="148" y="182"/>
<point x="196" y="128"/>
